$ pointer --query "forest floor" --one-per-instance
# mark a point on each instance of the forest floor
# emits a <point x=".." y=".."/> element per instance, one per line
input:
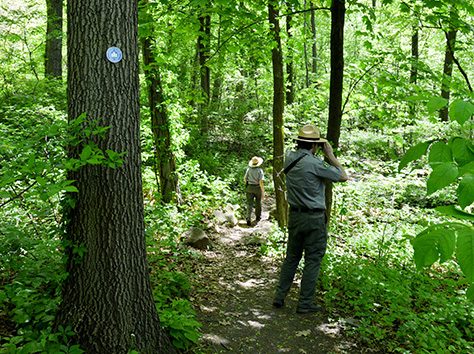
<point x="233" y="289"/>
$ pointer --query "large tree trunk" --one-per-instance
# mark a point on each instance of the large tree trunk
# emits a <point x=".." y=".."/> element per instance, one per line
<point x="54" y="32"/>
<point x="160" y="126"/>
<point x="278" y="107"/>
<point x="338" y="10"/>
<point x="447" y="72"/>
<point x="107" y="296"/>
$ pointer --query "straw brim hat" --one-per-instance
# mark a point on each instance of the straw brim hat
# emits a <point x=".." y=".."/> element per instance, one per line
<point x="255" y="161"/>
<point x="310" y="134"/>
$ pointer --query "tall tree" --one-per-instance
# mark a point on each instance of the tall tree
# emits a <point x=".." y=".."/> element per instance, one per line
<point x="290" y="92"/>
<point x="414" y="56"/>
<point x="278" y="107"/>
<point x="54" y="43"/>
<point x="203" y="52"/>
<point x="313" y="46"/>
<point x="165" y="166"/>
<point x="107" y="296"/>
<point x="447" y="71"/>
<point x="338" y="10"/>
<point x="306" y="62"/>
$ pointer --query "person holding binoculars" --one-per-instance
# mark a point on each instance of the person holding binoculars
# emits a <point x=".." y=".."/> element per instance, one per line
<point x="307" y="225"/>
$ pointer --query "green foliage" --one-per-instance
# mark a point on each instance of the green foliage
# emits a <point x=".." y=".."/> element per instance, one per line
<point x="449" y="161"/>
<point x="171" y="290"/>
<point x="407" y="311"/>
<point x="46" y="343"/>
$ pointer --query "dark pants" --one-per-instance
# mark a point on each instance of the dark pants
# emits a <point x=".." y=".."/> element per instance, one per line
<point x="306" y="232"/>
<point x="254" y="193"/>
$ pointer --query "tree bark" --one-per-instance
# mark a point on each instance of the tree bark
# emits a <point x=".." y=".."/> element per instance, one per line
<point x="338" y="10"/>
<point x="306" y="62"/>
<point x="290" y="93"/>
<point x="447" y="72"/>
<point x="205" y="73"/>
<point x="315" y="50"/>
<point x="414" y="60"/>
<point x="414" y="55"/>
<point x="160" y="126"/>
<point x="54" y="32"/>
<point x="107" y="296"/>
<point x="278" y="107"/>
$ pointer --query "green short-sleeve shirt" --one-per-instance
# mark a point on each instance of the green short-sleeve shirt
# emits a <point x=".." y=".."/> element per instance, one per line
<point x="305" y="181"/>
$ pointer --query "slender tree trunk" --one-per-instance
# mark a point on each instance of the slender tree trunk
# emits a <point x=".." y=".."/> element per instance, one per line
<point x="414" y="55"/>
<point x="338" y="10"/>
<point x="306" y="62"/>
<point x="278" y="107"/>
<point x="447" y="72"/>
<point x="314" y="47"/>
<point x="54" y="32"/>
<point x="414" y="63"/>
<point x="107" y="296"/>
<point x="205" y="72"/>
<point x="160" y="126"/>
<point x="290" y="94"/>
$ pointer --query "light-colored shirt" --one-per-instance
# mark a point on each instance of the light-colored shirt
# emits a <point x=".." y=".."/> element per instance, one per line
<point x="305" y="181"/>
<point x="254" y="175"/>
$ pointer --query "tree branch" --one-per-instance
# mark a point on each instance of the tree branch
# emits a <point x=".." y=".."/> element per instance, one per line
<point x="450" y="48"/>
<point x="352" y="87"/>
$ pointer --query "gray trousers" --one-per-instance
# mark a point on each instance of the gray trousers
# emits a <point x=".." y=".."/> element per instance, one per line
<point x="254" y="193"/>
<point x="306" y="232"/>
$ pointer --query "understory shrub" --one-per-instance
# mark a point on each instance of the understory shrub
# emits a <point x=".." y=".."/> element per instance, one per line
<point x="397" y="307"/>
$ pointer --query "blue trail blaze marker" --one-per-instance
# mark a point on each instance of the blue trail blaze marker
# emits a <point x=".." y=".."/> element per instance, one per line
<point x="114" y="54"/>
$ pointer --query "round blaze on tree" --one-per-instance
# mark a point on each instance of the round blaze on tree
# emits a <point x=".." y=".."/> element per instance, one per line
<point x="107" y="296"/>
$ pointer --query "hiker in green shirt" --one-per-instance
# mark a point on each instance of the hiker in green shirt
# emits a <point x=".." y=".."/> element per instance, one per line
<point x="307" y="227"/>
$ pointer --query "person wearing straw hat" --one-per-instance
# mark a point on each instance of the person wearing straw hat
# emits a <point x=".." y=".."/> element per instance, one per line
<point x="307" y="225"/>
<point x="254" y="190"/>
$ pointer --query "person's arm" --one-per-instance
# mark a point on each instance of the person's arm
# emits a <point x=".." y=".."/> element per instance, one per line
<point x="261" y="187"/>
<point x="328" y="151"/>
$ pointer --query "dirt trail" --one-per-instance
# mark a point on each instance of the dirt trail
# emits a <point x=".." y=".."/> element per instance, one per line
<point x="233" y="295"/>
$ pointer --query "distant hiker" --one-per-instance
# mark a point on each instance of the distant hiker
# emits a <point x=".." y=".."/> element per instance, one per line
<point x="254" y="189"/>
<point x="307" y="226"/>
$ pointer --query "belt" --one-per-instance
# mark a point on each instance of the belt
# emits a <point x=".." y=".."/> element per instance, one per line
<point x="305" y="210"/>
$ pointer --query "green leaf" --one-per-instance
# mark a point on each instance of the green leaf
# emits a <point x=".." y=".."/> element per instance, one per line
<point x="469" y="168"/>
<point x="434" y="243"/>
<point x="440" y="152"/>
<point x="460" y="111"/>
<point x="435" y="104"/>
<point x="465" y="191"/>
<point x="71" y="189"/>
<point x="446" y="244"/>
<point x="414" y="153"/>
<point x="470" y="292"/>
<point x="452" y="211"/>
<point x="42" y="181"/>
<point x="442" y="175"/>
<point x="426" y="250"/>
<point x="86" y="152"/>
<point x="462" y="151"/>
<point x="465" y="252"/>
